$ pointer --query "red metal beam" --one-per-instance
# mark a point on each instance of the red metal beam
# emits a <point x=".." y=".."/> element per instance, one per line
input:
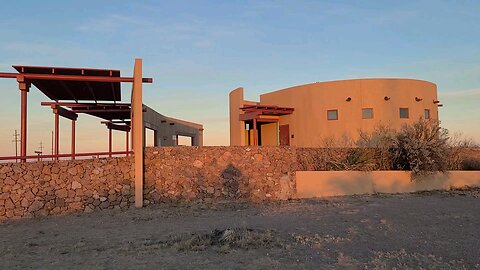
<point x="65" y="113"/>
<point x="54" y="77"/>
<point x="117" y="127"/>
<point x="71" y="104"/>
<point x="248" y="116"/>
<point x="100" y="111"/>
<point x="9" y="75"/>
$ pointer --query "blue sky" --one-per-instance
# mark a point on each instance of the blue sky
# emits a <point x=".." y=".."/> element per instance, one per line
<point x="197" y="51"/>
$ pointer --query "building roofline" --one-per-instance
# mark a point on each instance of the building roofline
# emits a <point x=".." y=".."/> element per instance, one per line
<point x="355" y="79"/>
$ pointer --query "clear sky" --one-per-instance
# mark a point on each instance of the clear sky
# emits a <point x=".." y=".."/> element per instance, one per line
<point x="197" y="51"/>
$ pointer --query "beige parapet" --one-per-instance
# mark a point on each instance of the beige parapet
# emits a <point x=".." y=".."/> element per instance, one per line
<point x="316" y="184"/>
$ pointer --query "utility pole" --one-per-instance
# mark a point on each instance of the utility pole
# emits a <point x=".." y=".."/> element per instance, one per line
<point x="16" y="140"/>
<point x="40" y="152"/>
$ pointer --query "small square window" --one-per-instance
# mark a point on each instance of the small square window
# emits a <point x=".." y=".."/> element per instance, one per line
<point x="404" y="113"/>
<point x="332" y="115"/>
<point x="367" y="113"/>
<point x="426" y="114"/>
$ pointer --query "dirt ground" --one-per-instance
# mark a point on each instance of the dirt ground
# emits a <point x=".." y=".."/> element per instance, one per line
<point x="430" y="230"/>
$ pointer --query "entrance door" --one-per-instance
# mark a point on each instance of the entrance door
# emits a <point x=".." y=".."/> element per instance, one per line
<point x="284" y="135"/>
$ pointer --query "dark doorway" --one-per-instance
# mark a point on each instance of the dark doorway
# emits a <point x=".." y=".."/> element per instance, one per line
<point x="284" y="135"/>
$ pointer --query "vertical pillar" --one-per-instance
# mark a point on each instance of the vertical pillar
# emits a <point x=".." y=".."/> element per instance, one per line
<point x="109" y="142"/>
<point x="24" y="87"/>
<point x="155" y="138"/>
<point x="137" y="128"/>
<point x="57" y="135"/>
<point x="126" y="143"/>
<point x="73" y="139"/>
<point x="255" y="132"/>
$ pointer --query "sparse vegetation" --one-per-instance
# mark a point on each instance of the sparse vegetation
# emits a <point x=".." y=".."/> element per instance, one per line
<point x="470" y="164"/>
<point x="226" y="240"/>
<point x="423" y="147"/>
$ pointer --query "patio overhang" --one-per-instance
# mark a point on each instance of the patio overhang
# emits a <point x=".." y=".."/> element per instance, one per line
<point x="263" y="113"/>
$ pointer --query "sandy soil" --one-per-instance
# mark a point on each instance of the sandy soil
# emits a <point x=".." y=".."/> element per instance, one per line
<point x="433" y="230"/>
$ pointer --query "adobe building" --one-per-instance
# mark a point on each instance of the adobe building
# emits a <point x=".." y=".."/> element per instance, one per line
<point x="305" y="115"/>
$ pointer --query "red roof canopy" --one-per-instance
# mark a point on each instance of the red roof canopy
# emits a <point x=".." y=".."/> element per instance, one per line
<point x="76" y="90"/>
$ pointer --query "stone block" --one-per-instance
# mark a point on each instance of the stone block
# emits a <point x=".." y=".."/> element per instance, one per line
<point x="35" y="206"/>
<point x="61" y="193"/>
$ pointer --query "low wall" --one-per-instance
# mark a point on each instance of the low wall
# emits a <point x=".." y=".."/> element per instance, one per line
<point x="313" y="184"/>
<point x="177" y="174"/>
<point x="43" y="188"/>
<point x="212" y="173"/>
<point x="171" y="174"/>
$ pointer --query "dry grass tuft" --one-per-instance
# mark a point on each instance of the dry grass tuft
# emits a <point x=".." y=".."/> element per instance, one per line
<point x="226" y="240"/>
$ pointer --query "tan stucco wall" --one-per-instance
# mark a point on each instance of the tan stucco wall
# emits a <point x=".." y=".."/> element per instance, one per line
<point x="309" y="123"/>
<point x="312" y="184"/>
<point x="237" y="132"/>
<point x="269" y="134"/>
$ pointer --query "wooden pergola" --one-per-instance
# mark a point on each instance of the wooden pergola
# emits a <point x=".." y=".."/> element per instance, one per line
<point x="262" y="114"/>
<point x="85" y="90"/>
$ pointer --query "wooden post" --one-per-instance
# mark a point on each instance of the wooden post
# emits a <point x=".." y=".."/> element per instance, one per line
<point x="73" y="139"/>
<point x="24" y="87"/>
<point x="126" y="142"/>
<point x="255" y="135"/>
<point x="109" y="142"/>
<point x="137" y="130"/>
<point x="57" y="135"/>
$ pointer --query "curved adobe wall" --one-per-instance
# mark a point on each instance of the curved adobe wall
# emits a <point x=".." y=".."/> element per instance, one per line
<point x="309" y="123"/>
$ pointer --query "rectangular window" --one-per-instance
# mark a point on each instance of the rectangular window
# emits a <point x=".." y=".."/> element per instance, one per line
<point x="367" y="113"/>
<point x="427" y="114"/>
<point x="332" y="115"/>
<point x="404" y="113"/>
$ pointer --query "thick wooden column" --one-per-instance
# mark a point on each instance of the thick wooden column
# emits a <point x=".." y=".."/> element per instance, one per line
<point x="137" y="131"/>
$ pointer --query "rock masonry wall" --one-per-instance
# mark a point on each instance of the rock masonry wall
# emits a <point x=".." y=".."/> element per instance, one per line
<point x="219" y="173"/>
<point x="45" y="188"/>
<point x="171" y="174"/>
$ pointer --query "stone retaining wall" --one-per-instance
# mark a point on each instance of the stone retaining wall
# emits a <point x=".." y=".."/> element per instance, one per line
<point x="44" y="188"/>
<point x="171" y="174"/>
<point x="213" y="173"/>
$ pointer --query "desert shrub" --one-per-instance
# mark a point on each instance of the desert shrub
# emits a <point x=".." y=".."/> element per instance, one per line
<point x="459" y="144"/>
<point x="470" y="164"/>
<point x="342" y="155"/>
<point x="421" y="147"/>
<point x="355" y="159"/>
<point x="381" y="141"/>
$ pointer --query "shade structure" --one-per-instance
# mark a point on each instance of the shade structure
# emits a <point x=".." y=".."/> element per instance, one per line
<point x="76" y="89"/>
